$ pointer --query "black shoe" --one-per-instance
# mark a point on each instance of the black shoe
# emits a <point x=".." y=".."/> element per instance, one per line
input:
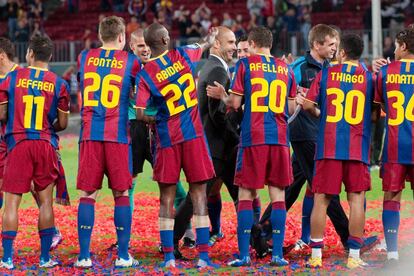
<point x="178" y="255"/>
<point x="259" y="242"/>
<point x="189" y="242"/>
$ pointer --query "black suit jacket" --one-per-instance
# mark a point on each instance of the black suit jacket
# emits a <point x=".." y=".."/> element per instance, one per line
<point x="221" y="127"/>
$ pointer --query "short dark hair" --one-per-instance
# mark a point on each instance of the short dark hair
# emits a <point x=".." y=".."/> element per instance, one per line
<point x="242" y="38"/>
<point x="406" y="36"/>
<point x="353" y="45"/>
<point x="262" y="36"/>
<point x="7" y="47"/>
<point x="42" y="47"/>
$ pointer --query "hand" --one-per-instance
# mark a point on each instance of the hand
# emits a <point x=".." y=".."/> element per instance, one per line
<point x="300" y="100"/>
<point x="211" y="37"/>
<point x="149" y="119"/>
<point x="378" y="63"/>
<point x="216" y="92"/>
<point x="289" y="59"/>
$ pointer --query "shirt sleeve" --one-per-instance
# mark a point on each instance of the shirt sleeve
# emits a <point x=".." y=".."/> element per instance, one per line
<point x="142" y="94"/>
<point x="64" y="99"/>
<point x="314" y="90"/>
<point x="378" y="98"/>
<point x="4" y="87"/>
<point x="237" y="84"/>
<point x="292" y="88"/>
<point x="193" y="51"/>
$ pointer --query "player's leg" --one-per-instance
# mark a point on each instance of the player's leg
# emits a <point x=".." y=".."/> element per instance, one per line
<point x="278" y="161"/>
<point x="356" y="228"/>
<point x="180" y="196"/>
<point x="3" y="154"/>
<point x="250" y="176"/>
<point x="393" y="182"/>
<point x="214" y="206"/>
<point x="9" y="227"/>
<point x="167" y="168"/>
<point x="46" y="225"/>
<point x="89" y="181"/>
<point x="118" y="167"/>
<point x="166" y="222"/>
<point x="326" y="182"/>
<point x="196" y="150"/>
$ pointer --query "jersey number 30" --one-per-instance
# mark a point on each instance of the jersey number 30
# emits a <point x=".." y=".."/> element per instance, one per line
<point x="344" y="106"/>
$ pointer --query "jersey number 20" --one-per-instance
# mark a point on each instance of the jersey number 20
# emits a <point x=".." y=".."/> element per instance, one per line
<point x="275" y="91"/>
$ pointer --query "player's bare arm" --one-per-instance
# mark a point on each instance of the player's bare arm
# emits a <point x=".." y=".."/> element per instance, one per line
<point x="307" y="105"/>
<point x="62" y="121"/>
<point x="142" y="117"/>
<point x="3" y="112"/>
<point x="208" y="40"/>
<point x="291" y="106"/>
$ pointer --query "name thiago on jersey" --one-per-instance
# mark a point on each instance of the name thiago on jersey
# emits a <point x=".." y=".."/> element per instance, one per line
<point x="36" y="84"/>
<point x="344" y="77"/>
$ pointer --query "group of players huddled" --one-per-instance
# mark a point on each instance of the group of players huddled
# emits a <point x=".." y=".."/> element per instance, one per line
<point x="242" y="112"/>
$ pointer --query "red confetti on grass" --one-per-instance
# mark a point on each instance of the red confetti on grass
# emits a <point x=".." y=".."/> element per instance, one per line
<point x="145" y="239"/>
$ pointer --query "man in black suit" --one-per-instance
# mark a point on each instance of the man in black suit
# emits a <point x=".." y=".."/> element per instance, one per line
<point x="221" y="132"/>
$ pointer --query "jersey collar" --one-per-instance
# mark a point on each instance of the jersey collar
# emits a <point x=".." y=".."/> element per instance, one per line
<point x="38" y="68"/>
<point x="163" y="54"/>
<point x="406" y="60"/>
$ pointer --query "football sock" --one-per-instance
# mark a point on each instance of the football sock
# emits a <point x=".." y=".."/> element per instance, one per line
<point x="307" y="207"/>
<point x="278" y="221"/>
<point x="166" y="226"/>
<point x="391" y="223"/>
<point x="131" y="194"/>
<point x="86" y="219"/>
<point x="201" y="224"/>
<point x="214" y="212"/>
<point x="122" y="219"/>
<point x="46" y="237"/>
<point x="7" y="242"/>
<point x="316" y="245"/>
<point x="257" y="208"/>
<point x="354" y="244"/>
<point x="244" y="226"/>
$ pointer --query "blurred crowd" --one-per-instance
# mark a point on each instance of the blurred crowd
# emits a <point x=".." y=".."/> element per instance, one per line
<point x="24" y="18"/>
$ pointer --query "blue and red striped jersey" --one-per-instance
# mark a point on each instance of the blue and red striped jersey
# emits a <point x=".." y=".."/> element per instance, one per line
<point x="266" y="84"/>
<point x="344" y="94"/>
<point x="167" y="81"/>
<point x="34" y="96"/>
<point x="2" y="125"/>
<point x="395" y="90"/>
<point x="107" y="79"/>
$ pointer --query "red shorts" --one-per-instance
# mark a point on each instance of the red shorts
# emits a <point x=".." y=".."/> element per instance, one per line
<point x="192" y="156"/>
<point x="330" y="173"/>
<point x="394" y="176"/>
<point x="263" y="164"/>
<point x="30" y="160"/>
<point x="3" y="154"/>
<point x="98" y="158"/>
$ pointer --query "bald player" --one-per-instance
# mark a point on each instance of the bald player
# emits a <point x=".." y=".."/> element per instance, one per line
<point x="167" y="80"/>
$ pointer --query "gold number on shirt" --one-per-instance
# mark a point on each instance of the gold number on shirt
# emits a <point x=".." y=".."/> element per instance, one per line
<point x="398" y="105"/>
<point x="341" y="102"/>
<point x="277" y="90"/>
<point x="29" y="101"/>
<point x="177" y="94"/>
<point x="106" y="88"/>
